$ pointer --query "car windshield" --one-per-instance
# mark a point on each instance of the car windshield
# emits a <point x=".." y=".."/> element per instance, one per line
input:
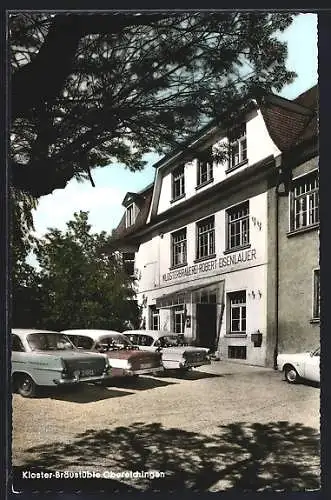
<point x="171" y="340"/>
<point x="49" y="342"/>
<point x="113" y="342"/>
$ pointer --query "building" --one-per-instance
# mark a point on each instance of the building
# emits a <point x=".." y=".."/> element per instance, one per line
<point x="218" y="255"/>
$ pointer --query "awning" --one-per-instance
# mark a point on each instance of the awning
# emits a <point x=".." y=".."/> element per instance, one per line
<point x="212" y="293"/>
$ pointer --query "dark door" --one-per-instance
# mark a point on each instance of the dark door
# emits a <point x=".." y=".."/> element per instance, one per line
<point x="206" y="325"/>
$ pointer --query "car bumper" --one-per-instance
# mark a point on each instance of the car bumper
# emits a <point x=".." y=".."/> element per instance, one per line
<point x="124" y="372"/>
<point x="144" y="371"/>
<point x="77" y="380"/>
<point x="195" y="364"/>
<point x="180" y="365"/>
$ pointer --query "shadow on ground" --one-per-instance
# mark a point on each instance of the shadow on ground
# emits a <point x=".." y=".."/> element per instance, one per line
<point x="248" y="457"/>
<point x="80" y="394"/>
<point x="140" y="384"/>
<point x="190" y="375"/>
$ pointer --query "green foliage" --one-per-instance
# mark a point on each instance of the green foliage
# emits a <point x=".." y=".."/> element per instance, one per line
<point x="83" y="286"/>
<point x="112" y="87"/>
<point x="25" y="290"/>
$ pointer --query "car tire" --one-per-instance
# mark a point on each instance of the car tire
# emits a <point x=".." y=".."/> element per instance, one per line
<point x="291" y="375"/>
<point x="26" y="387"/>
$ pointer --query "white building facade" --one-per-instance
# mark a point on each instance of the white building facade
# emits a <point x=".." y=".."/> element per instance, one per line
<point x="201" y="238"/>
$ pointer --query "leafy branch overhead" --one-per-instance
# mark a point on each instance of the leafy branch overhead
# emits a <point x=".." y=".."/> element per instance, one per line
<point x="92" y="89"/>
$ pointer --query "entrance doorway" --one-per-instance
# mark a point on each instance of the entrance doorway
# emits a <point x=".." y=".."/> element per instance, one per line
<point x="206" y="315"/>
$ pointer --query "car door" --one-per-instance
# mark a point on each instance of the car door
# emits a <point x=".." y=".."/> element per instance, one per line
<point x="18" y="354"/>
<point x="312" y="366"/>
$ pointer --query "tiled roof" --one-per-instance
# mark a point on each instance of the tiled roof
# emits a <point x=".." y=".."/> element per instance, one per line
<point x="308" y="98"/>
<point x="288" y="127"/>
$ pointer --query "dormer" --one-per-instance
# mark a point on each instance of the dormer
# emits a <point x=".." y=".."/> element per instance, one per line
<point x="131" y="202"/>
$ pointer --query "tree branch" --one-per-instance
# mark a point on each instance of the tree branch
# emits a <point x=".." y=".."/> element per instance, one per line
<point x="45" y="75"/>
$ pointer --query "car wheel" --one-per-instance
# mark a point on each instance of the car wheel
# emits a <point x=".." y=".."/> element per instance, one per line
<point x="291" y="375"/>
<point x="26" y="386"/>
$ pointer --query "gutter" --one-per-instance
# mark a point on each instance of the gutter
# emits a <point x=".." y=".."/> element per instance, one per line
<point x="275" y="354"/>
<point x="283" y="179"/>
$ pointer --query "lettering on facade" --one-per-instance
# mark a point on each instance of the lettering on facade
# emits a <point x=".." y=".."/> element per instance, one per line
<point x="211" y="265"/>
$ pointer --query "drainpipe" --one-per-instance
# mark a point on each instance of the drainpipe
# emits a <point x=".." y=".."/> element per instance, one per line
<point x="278" y="161"/>
<point x="281" y="189"/>
<point x="277" y="275"/>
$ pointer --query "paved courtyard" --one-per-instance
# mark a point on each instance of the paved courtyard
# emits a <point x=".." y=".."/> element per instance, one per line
<point x="219" y="427"/>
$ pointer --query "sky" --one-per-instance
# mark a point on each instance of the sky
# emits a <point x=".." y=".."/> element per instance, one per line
<point x="104" y="201"/>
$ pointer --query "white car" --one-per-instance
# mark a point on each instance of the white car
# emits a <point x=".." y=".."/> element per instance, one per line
<point x="303" y="365"/>
<point x="175" y="354"/>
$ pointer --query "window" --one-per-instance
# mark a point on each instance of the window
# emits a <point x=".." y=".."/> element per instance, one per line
<point x="145" y="340"/>
<point x="128" y="263"/>
<point x="304" y="202"/>
<point x="317" y="294"/>
<point x="238" y="147"/>
<point x="154" y="318"/>
<point x="237" y="351"/>
<point x="205" y="168"/>
<point x="178" y="248"/>
<point x="238" y="226"/>
<point x="237" y="307"/>
<point x="178" y="319"/>
<point x="17" y="345"/>
<point x="206" y="238"/>
<point x="178" y="183"/>
<point x="130" y="215"/>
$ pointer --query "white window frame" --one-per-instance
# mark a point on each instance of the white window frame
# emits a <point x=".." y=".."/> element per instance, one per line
<point x="178" y="312"/>
<point x="179" y="248"/>
<point x="205" y="237"/>
<point x="301" y="214"/>
<point x="238" y="147"/>
<point x="235" y="219"/>
<point x="240" y="298"/>
<point x="154" y="315"/>
<point x="205" y="168"/>
<point x="178" y="182"/>
<point x="130" y="215"/>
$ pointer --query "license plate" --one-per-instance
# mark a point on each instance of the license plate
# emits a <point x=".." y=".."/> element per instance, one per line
<point x="143" y="366"/>
<point x="87" y="373"/>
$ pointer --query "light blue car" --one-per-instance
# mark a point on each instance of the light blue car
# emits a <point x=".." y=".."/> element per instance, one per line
<point x="47" y="358"/>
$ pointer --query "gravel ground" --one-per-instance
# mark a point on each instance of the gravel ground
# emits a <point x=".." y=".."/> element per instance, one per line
<point x="222" y="426"/>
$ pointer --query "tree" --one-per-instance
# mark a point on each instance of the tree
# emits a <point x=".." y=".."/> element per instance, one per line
<point x="83" y="287"/>
<point x="91" y="89"/>
<point x="25" y="288"/>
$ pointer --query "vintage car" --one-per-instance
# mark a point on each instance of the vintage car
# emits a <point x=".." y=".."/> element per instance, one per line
<point x="47" y="358"/>
<point x="303" y="365"/>
<point x="124" y="358"/>
<point x="175" y="354"/>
